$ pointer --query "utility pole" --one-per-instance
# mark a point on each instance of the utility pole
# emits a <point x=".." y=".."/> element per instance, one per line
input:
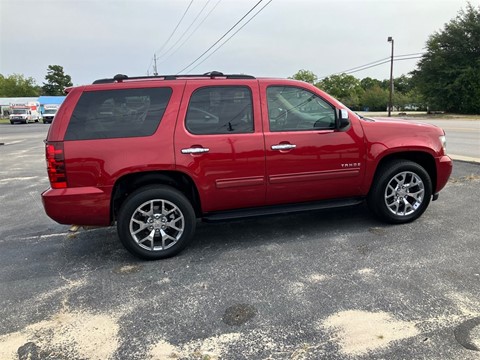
<point x="155" y="73"/>
<point x="390" y="105"/>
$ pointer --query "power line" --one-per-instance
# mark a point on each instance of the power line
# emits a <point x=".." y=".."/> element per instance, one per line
<point x="191" y="34"/>
<point x="357" y="67"/>
<point x="384" y="62"/>
<point x="188" y="28"/>
<point x="419" y="53"/>
<point x="214" y="51"/>
<point x="376" y="63"/>
<point x="408" y="58"/>
<point x="367" y="67"/>
<point x="176" y="27"/>
<point x="216" y="42"/>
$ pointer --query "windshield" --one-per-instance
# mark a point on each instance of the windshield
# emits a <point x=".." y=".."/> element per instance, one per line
<point x="19" y="111"/>
<point x="50" y="111"/>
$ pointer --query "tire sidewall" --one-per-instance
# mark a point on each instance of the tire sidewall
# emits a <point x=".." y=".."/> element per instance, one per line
<point x="143" y="195"/>
<point x="376" y="198"/>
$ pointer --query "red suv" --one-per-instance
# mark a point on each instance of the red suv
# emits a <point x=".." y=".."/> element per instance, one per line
<point x="154" y="154"/>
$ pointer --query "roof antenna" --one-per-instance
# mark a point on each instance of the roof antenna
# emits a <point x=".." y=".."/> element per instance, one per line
<point x="120" y="77"/>
<point x="212" y="74"/>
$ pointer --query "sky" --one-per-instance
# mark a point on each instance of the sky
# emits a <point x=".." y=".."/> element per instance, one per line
<point x="95" y="39"/>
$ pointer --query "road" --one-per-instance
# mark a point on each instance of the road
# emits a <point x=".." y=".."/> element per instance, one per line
<point x="463" y="137"/>
<point x="333" y="284"/>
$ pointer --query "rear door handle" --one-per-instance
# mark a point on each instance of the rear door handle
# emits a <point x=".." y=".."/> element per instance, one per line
<point x="195" y="150"/>
<point x="283" y="146"/>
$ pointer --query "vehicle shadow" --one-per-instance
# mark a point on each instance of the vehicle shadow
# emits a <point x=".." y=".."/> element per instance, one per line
<point x="211" y="240"/>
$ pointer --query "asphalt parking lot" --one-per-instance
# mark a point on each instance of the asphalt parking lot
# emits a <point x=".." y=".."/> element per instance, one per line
<point x="332" y="284"/>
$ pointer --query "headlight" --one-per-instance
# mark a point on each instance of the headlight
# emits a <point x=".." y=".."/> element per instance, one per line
<point x="443" y="141"/>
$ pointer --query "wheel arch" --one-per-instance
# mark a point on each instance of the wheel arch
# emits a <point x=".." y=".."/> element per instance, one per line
<point x="126" y="184"/>
<point x="424" y="159"/>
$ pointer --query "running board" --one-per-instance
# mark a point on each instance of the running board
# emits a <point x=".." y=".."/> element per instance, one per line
<point x="279" y="209"/>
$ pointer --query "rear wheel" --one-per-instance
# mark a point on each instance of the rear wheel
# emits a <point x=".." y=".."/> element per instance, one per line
<point x="156" y="222"/>
<point x="401" y="192"/>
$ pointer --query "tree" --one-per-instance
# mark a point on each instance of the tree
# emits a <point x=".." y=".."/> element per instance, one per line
<point x="305" y="75"/>
<point x="448" y="74"/>
<point x="402" y="84"/>
<point x="57" y="81"/>
<point x="375" y="98"/>
<point x="17" y="85"/>
<point x="369" y="83"/>
<point x="345" y="88"/>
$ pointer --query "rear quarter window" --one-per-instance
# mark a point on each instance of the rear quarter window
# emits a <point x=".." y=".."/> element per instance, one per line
<point x="220" y="110"/>
<point x="118" y="113"/>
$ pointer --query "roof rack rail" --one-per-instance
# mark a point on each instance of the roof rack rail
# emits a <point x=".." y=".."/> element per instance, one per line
<point x="210" y="75"/>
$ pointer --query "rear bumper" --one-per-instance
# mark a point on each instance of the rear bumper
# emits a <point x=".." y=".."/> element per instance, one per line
<point x="79" y="206"/>
<point x="444" y="170"/>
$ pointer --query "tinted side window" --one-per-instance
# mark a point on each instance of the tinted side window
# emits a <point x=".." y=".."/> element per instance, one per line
<point x="220" y="110"/>
<point x="293" y="109"/>
<point x="118" y="113"/>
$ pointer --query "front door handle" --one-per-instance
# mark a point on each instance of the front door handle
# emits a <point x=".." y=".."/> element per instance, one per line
<point x="283" y="146"/>
<point x="195" y="150"/>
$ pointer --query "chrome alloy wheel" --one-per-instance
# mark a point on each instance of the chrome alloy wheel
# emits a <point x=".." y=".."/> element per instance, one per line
<point x="157" y="225"/>
<point x="404" y="193"/>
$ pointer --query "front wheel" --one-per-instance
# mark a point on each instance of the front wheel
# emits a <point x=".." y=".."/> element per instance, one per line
<point x="156" y="222"/>
<point x="401" y="192"/>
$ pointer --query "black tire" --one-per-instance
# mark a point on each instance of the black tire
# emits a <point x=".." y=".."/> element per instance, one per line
<point x="394" y="204"/>
<point x="134" y="217"/>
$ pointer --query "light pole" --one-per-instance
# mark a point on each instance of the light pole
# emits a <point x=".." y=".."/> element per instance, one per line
<point x="390" y="39"/>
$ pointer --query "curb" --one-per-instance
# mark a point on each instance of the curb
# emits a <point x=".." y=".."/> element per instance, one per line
<point x="468" y="159"/>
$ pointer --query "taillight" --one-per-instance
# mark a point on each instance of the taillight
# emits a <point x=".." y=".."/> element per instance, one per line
<point x="56" y="165"/>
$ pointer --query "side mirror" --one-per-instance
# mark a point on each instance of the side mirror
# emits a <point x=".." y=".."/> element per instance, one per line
<point x="342" y="119"/>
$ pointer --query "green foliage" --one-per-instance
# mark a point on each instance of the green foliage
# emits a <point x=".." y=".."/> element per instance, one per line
<point x="305" y="75"/>
<point x="448" y="75"/>
<point x="346" y="88"/>
<point x="57" y="81"/>
<point x="369" y="83"/>
<point x="375" y="98"/>
<point x="17" y="85"/>
<point x="402" y="84"/>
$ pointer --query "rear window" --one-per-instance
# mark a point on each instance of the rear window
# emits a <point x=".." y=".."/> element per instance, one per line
<point x="118" y="113"/>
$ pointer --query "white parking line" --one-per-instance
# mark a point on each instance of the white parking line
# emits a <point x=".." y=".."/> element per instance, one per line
<point x="43" y="236"/>
<point x="18" y="179"/>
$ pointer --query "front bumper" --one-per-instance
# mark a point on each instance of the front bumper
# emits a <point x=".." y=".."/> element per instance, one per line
<point x="444" y="170"/>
